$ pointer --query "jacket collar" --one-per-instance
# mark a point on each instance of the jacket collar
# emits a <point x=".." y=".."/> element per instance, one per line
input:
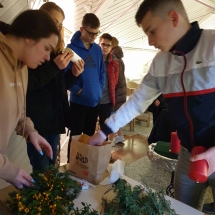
<point x="189" y="40"/>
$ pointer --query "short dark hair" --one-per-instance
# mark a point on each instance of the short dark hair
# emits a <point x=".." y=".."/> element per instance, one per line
<point x="106" y="36"/>
<point x="159" y="8"/>
<point x="33" y="24"/>
<point x="91" y="20"/>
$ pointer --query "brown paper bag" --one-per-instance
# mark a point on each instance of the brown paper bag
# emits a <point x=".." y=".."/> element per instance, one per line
<point x="89" y="162"/>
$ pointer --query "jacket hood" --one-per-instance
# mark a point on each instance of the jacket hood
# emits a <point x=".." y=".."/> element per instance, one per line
<point x="76" y="36"/>
<point x="117" y="51"/>
<point x="76" y="39"/>
<point x="7" y="51"/>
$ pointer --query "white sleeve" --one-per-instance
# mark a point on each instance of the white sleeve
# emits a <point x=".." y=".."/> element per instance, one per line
<point x="142" y="97"/>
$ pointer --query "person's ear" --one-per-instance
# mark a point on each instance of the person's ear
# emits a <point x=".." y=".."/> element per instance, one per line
<point x="81" y="29"/>
<point x="29" y="41"/>
<point x="174" y="17"/>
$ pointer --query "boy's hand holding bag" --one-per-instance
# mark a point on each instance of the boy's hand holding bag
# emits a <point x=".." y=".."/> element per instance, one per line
<point x="89" y="162"/>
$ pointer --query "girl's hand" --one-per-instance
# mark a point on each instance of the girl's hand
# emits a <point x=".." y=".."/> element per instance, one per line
<point x="77" y="67"/>
<point x="40" y="143"/>
<point x="63" y="60"/>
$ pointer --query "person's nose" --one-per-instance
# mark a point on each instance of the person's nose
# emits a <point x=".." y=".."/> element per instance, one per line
<point x="47" y="57"/>
<point x="150" y="41"/>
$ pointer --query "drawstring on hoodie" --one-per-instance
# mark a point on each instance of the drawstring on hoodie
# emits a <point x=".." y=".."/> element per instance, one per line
<point x="17" y="96"/>
<point x="185" y="99"/>
<point x="23" y="90"/>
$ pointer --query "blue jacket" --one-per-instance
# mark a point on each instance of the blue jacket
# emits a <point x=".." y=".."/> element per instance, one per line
<point x="92" y="80"/>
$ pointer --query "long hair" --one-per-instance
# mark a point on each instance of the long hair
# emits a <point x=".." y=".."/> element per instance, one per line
<point x="49" y="7"/>
<point x="115" y="42"/>
<point x="4" y="27"/>
<point x="37" y="25"/>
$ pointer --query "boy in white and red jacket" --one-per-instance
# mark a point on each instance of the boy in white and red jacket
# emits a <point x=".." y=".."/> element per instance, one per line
<point x="184" y="72"/>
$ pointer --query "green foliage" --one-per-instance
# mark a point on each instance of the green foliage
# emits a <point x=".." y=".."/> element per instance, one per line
<point x="52" y="193"/>
<point x="136" y="200"/>
<point x="86" y="210"/>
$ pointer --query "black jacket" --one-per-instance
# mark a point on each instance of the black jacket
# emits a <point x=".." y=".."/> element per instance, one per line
<point x="156" y="110"/>
<point x="47" y="101"/>
<point x="162" y="128"/>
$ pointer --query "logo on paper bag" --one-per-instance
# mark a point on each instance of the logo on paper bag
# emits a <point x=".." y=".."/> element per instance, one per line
<point x="81" y="161"/>
<point x="85" y="173"/>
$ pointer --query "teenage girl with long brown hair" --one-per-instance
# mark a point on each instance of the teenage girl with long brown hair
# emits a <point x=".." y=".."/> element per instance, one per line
<point x="47" y="101"/>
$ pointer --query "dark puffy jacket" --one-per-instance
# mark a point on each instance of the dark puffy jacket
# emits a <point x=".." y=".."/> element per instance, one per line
<point x="47" y="101"/>
<point x="120" y="92"/>
<point x="113" y="74"/>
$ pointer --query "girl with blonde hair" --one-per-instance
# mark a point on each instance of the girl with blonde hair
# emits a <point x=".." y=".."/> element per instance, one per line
<point x="57" y="14"/>
<point x="47" y="101"/>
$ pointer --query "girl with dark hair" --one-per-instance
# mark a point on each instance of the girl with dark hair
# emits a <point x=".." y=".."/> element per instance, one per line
<point x="47" y="101"/>
<point x="29" y="41"/>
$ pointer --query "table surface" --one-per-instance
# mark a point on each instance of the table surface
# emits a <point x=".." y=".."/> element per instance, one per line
<point x="94" y="194"/>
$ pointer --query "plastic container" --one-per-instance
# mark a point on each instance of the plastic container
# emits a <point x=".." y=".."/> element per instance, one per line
<point x="75" y="57"/>
<point x="199" y="169"/>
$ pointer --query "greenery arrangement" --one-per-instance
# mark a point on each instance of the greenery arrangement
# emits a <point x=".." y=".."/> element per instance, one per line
<point x="138" y="200"/>
<point x="86" y="210"/>
<point x="54" y="192"/>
